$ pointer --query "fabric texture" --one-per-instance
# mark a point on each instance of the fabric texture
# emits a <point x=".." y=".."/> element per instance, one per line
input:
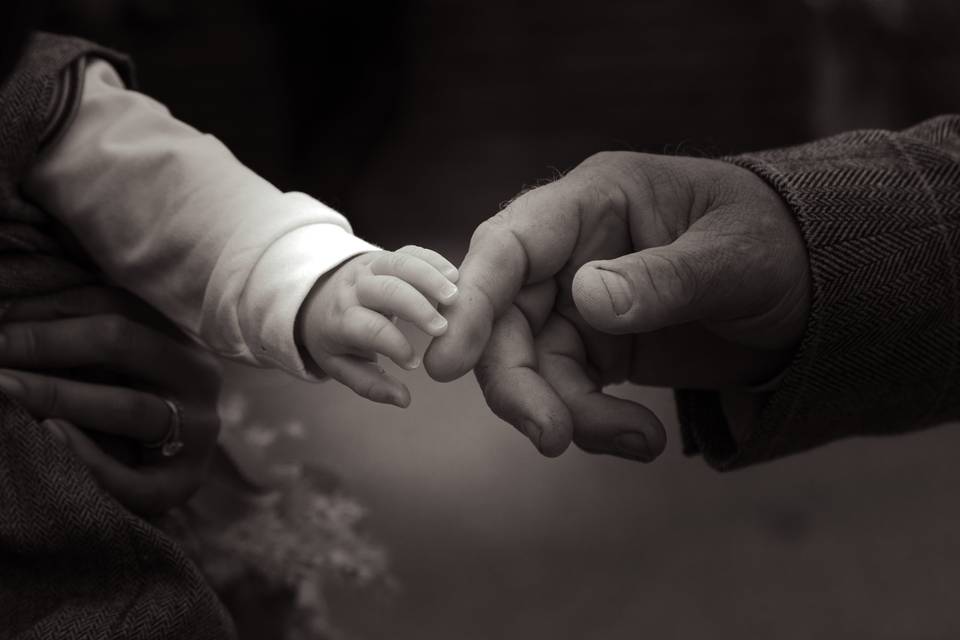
<point x="880" y="214"/>
<point x="172" y="215"/>
<point x="73" y="563"/>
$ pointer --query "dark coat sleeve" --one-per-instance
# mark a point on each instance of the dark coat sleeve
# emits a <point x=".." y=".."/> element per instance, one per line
<point x="73" y="562"/>
<point x="880" y="214"/>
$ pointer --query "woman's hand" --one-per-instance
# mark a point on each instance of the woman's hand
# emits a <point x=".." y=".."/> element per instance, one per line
<point x="96" y="367"/>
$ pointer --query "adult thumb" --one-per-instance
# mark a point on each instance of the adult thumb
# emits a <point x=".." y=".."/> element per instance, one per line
<point x="657" y="287"/>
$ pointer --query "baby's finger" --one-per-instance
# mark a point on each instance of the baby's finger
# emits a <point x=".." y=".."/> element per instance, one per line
<point x="393" y="297"/>
<point x="362" y="330"/>
<point x="366" y="379"/>
<point x="419" y="273"/>
<point x="438" y="262"/>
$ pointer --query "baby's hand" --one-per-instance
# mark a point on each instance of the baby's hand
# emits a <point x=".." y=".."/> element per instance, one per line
<point x="345" y="321"/>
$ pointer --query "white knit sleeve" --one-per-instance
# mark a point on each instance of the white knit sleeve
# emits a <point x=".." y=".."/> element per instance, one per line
<point x="170" y="214"/>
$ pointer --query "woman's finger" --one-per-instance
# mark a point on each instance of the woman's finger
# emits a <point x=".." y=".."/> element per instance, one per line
<point x="72" y="303"/>
<point x="438" y="262"/>
<point x="420" y="274"/>
<point x="364" y="331"/>
<point x="392" y="296"/>
<point x="111" y="341"/>
<point x="144" y="490"/>
<point x="366" y="379"/>
<point x="117" y="410"/>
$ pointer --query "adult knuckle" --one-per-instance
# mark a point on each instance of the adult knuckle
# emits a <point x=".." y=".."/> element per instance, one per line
<point x="605" y="195"/>
<point x="494" y="227"/>
<point x="601" y="158"/>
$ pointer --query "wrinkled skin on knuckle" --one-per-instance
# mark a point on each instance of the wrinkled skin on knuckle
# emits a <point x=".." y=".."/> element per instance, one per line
<point x="489" y="226"/>
<point x="683" y="286"/>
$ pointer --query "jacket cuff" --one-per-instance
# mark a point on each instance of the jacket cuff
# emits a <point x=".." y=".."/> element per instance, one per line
<point x="880" y="217"/>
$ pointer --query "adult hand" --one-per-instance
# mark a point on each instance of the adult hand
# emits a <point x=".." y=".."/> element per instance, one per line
<point x="94" y="364"/>
<point x="665" y="271"/>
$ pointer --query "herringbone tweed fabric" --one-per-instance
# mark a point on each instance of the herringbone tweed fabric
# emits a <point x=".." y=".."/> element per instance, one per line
<point x="880" y="214"/>
<point x="73" y="563"/>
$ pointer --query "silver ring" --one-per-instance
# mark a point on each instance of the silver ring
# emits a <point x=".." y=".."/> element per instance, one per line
<point x="171" y="444"/>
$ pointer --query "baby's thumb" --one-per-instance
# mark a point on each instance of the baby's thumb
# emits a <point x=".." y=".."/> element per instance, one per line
<point x="650" y="289"/>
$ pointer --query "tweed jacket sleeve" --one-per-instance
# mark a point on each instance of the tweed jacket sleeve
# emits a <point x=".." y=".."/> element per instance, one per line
<point x="73" y="562"/>
<point x="880" y="214"/>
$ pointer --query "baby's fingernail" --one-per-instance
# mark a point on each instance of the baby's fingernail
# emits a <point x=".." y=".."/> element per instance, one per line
<point x="11" y="385"/>
<point x="449" y="292"/>
<point x="437" y="326"/>
<point x="633" y="445"/>
<point x="412" y="363"/>
<point x="452" y="273"/>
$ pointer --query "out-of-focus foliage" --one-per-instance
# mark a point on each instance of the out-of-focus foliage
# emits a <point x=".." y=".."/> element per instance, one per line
<point x="273" y="533"/>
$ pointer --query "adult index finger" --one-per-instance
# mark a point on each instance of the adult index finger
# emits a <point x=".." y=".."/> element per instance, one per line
<point x="527" y="242"/>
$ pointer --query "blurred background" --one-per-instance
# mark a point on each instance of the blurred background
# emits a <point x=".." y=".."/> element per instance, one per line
<point x="418" y="118"/>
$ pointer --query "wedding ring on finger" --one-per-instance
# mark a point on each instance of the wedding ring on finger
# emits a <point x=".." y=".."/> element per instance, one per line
<point x="171" y="444"/>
